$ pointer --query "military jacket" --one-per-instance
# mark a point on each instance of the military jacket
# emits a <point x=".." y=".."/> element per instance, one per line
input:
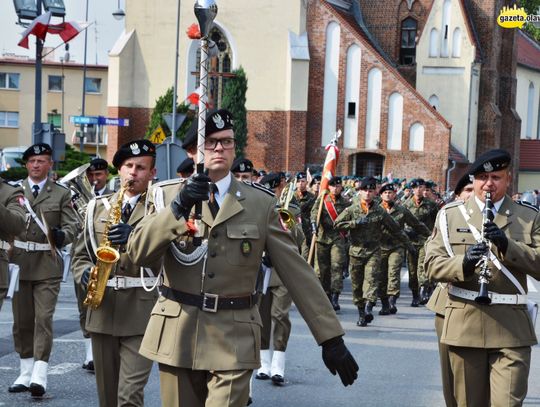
<point x="425" y="212"/>
<point x="54" y="205"/>
<point x="123" y="312"/>
<point x="246" y="225"/>
<point x="366" y="238"/>
<point x="389" y="241"/>
<point x="485" y="326"/>
<point x="326" y="233"/>
<point x="12" y="214"/>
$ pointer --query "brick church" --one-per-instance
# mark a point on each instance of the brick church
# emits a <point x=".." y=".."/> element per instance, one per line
<point x="418" y="87"/>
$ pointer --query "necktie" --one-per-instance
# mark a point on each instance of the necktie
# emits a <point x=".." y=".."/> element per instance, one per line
<point x="36" y="190"/>
<point x="126" y="212"/>
<point x="212" y="203"/>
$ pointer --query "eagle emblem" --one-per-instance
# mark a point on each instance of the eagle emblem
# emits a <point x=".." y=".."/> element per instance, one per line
<point x="135" y="149"/>
<point x="218" y="121"/>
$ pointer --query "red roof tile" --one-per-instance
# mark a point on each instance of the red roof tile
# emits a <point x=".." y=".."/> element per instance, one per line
<point x="528" y="51"/>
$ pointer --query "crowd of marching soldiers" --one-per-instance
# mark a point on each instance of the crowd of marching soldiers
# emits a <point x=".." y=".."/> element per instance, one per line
<point x="368" y="228"/>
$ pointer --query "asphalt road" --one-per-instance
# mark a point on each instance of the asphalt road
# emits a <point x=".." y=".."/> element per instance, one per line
<point x="397" y="355"/>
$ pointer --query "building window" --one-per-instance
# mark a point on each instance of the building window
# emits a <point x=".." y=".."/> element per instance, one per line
<point x="367" y="164"/>
<point x="331" y="81"/>
<point x="530" y="105"/>
<point x="55" y="83"/>
<point x="9" y="119"/>
<point x="352" y="92"/>
<point x="416" y="137"/>
<point x="456" y="43"/>
<point x="407" y="54"/>
<point x="55" y="119"/>
<point x="445" y="29"/>
<point x="92" y="85"/>
<point x="91" y="135"/>
<point x="434" y="101"/>
<point x="434" y="43"/>
<point x="373" y="110"/>
<point x="9" y="80"/>
<point x="395" y="121"/>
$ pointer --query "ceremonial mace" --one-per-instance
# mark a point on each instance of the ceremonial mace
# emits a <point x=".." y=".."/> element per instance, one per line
<point x="205" y="11"/>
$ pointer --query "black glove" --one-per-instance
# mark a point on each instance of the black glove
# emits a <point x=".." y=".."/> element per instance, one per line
<point x="196" y="190"/>
<point x="411" y="234"/>
<point x="313" y="228"/>
<point x="58" y="236"/>
<point x="472" y="257"/>
<point x="85" y="278"/>
<point x="494" y="234"/>
<point x="337" y="358"/>
<point x="119" y="234"/>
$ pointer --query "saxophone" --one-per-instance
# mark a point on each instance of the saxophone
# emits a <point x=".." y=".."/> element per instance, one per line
<point x="107" y="256"/>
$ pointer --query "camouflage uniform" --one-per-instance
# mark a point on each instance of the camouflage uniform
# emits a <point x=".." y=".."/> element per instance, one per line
<point x="365" y="251"/>
<point x="331" y="255"/>
<point x="426" y="212"/>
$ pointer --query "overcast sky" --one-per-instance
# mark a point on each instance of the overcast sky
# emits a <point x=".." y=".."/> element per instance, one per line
<point x="99" y="13"/>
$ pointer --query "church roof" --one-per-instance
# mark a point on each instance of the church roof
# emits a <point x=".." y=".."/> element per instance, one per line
<point x="528" y="51"/>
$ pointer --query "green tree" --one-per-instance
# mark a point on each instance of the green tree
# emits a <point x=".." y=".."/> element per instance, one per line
<point x="531" y="7"/>
<point x="234" y="99"/>
<point x="164" y="106"/>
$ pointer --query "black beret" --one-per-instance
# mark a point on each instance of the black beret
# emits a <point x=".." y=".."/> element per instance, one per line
<point x="316" y="178"/>
<point x="387" y="187"/>
<point x="417" y="182"/>
<point x="262" y="173"/>
<point x="271" y="180"/>
<point x="37" y="149"/>
<point x="136" y="148"/>
<point x="335" y="181"/>
<point x="98" y="164"/>
<point x="301" y="175"/>
<point x="242" y="164"/>
<point x="462" y="183"/>
<point x="368" y="182"/>
<point x="186" y="166"/>
<point x="430" y="184"/>
<point x="216" y="120"/>
<point x="490" y="161"/>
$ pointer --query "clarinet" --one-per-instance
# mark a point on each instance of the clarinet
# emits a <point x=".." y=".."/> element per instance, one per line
<point x="485" y="275"/>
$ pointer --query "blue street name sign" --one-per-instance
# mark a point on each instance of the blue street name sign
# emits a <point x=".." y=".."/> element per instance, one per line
<point x="102" y="121"/>
<point x="84" y="120"/>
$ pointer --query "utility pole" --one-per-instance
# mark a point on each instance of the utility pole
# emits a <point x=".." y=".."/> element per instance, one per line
<point x="37" y="134"/>
<point x="83" y="106"/>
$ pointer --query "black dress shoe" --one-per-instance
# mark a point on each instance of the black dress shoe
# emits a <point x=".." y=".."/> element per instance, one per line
<point x="392" y="301"/>
<point x="361" y="322"/>
<point x="250" y="400"/>
<point x="278" y="380"/>
<point x="415" y="301"/>
<point x="17" y="388"/>
<point x="262" y="376"/>
<point x="36" y="390"/>
<point x="88" y="366"/>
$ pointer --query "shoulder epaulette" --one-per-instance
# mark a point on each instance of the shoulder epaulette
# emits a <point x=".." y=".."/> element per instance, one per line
<point x="171" y="181"/>
<point x="527" y="205"/>
<point x="61" y="185"/>
<point x="453" y="204"/>
<point x="259" y="187"/>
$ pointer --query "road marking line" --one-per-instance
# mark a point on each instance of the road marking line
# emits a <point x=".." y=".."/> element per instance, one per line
<point x="63" y="368"/>
<point x="404" y="275"/>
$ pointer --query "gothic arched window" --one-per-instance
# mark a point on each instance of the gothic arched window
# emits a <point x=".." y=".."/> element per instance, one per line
<point x="407" y="55"/>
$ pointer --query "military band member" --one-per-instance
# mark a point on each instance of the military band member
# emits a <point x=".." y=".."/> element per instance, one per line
<point x="425" y="211"/>
<point x="116" y="327"/>
<point x="13" y="218"/>
<point x="364" y="219"/>
<point x="204" y="330"/>
<point x="393" y="249"/>
<point x="437" y="304"/>
<point x="51" y="222"/>
<point x="330" y="250"/>
<point x="97" y="174"/>
<point x="489" y="345"/>
<point x="242" y="169"/>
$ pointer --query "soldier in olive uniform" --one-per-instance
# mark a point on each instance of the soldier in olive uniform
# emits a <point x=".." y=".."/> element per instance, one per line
<point x="51" y="222"/>
<point x="392" y="249"/>
<point x="489" y="345"/>
<point x="117" y="326"/>
<point x="331" y="252"/>
<point x="205" y="328"/>
<point x="364" y="219"/>
<point x="425" y="211"/>
<point x="305" y="200"/>
<point x="13" y="218"/>
<point x="242" y="169"/>
<point x="97" y="174"/>
<point x="437" y="304"/>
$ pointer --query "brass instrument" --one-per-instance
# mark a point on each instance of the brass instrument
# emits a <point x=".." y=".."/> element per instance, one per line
<point x="107" y="256"/>
<point x="285" y="199"/>
<point x="485" y="275"/>
<point x="81" y="189"/>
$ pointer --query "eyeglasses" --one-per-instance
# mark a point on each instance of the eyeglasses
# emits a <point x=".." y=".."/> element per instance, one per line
<point x="226" y="143"/>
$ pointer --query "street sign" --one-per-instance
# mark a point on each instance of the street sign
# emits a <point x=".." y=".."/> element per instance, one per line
<point x="103" y="121"/>
<point x="180" y="117"/>
<point x="157" y="136"/>
<point x="84" y="119"/>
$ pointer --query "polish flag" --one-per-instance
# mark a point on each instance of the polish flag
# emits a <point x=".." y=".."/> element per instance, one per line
<point x="330" y="163"/>
<point x="68" y="30"/>
<point x="38" y="28"/>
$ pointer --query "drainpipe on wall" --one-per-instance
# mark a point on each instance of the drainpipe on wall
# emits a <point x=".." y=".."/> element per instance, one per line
<point x="448" y="173"/>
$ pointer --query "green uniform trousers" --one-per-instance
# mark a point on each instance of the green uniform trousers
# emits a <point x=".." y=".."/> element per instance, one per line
<point x="390" y="280"/>
<point x="417" y="274"/>
<point x="33" y="309"/>
<point x="121" y="372"/>
<point x="182" y="387"/>
<point x="446" y="370"/>
<point x="490" y="377"/>
<point x="274" y="309"/>
<point x="365" y="272"/>
<point x="330" y="261"/>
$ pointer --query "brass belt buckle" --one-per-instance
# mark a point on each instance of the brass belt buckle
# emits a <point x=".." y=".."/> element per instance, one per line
<point x="211" y="297"/>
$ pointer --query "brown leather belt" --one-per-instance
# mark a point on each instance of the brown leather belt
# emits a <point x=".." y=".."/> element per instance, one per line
<point x="209" y="302"/>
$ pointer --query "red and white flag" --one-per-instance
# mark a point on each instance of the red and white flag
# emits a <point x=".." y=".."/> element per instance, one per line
<point x="38" y="28"/>
<point x="68" y="30"/>
<point x="330" y="165"/>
